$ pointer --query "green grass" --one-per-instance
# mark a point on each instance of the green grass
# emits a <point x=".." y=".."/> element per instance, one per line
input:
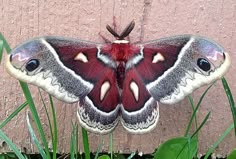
<point x="34" y="138"/>
<point x="53" y="128"/>
<point x="35" y="116"/>
<point x="230" y="99"/>
<point x="11" y="145"/>
<point x="74" y="149"/>
<point x="187" y="144"/>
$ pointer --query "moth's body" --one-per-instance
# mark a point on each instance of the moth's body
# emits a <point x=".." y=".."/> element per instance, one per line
<point x="119" y="81"/>
<point x="120" y="51"/>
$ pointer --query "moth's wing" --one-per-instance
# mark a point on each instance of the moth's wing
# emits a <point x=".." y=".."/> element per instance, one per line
<point x="181" y="64"/>
<point x="139" y="111"/>
<point x="72" y="71"/>
<point x="167" y="70"/>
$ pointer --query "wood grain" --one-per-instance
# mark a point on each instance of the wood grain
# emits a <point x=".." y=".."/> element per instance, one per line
<point x="23" y="19"/>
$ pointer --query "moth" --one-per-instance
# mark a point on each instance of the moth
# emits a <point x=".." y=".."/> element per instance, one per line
<point x="119" y="81"/>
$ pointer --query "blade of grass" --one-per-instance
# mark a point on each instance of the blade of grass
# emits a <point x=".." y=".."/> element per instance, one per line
<point x="11" y="145"/>
<point x="5" y="44"/>
<point x="196" y="108"/>
<point x="205" y="92"/>
<point x="193" y="116"/>
<point x="1" y="50"/>
<point x="72" y="142"/>
<point x="47" y="114"/>
<point x="195" y="119"/>
<point x="77" y="141"/>
<point x="131" y="155"/>
<point x="34" y="138"/>
<point x="13" y="114"/>
<point x="111" y="144"/>
<point x="231" y="100"/>
<point x="85" y="143"/>
<point x="226" y="132"/>
<point x="201" y="125"/>
<point x="55" y="132"/>
<point x="35" y="116"/>
<point x="25" y="156"/>
<point x="99" y="147"/>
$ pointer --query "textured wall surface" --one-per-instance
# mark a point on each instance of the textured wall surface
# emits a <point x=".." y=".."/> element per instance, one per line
<point x="84" y="19"/>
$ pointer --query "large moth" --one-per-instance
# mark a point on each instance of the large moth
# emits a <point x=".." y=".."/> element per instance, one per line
<point x="119" y="81"/>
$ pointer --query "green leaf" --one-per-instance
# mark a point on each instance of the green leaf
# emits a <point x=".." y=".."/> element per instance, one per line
<point x="11" y="155"/>
<point x="232" y="154"/>
<point x="104" y="157"/>
<point x="120" y="156"/>
<point x="177" y="148"/>
<point x="2" y="156"/>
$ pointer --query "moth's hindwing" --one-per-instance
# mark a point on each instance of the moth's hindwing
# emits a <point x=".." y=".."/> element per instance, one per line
<point x="140" y="111"/>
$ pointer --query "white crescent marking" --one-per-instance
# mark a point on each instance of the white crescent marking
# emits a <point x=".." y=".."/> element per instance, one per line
<point x="158" y="57"/>
<point x="104" y="89"/>
<point x="52" y="50"/>
<point x="134" y="88"/>
<point x="81" y="57"/>
<point x="182" y="52"/>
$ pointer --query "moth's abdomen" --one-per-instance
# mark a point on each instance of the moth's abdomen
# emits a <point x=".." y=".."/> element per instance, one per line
<point x="120" y="74"/>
